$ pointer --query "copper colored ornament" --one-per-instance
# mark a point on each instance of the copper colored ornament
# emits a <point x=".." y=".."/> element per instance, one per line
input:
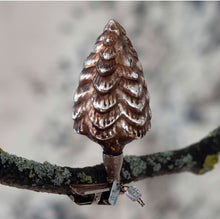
<point x="111" y="104"/>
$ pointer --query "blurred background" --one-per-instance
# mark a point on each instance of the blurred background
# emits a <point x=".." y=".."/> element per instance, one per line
<point x="42" y="49"/>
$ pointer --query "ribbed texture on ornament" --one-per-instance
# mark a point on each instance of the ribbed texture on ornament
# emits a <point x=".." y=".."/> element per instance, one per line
<point x="111" y="104"/>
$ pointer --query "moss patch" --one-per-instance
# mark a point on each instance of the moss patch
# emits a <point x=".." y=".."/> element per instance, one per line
<point x="84" y="178"/>
<point x="209" y="163"/>
<point x="31" y="175"/>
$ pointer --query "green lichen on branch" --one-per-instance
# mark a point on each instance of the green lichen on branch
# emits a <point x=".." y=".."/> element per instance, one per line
<point x="185" y="162"/>
<point x="137" y="166"/>
<point x="31" y="173"/>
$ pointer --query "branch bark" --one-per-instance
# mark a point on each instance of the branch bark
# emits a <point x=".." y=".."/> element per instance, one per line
<point x="19" y="172"/>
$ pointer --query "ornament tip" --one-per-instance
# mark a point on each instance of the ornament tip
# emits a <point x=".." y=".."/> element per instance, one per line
<point x="112" y="21"/>
<point x="114" y="26"/>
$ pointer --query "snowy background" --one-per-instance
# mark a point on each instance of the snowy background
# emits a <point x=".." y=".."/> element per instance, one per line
<point x="42" y="48"/>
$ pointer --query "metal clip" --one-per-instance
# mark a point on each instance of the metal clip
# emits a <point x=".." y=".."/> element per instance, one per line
<point x="87" y="194"/>
<point x="86" y="189"/>
<point x="114" y="193"/>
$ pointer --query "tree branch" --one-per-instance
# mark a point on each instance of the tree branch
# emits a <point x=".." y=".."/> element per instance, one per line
<point x="22" y="173"/>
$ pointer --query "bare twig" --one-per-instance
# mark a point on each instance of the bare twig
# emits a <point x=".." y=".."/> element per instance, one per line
<point x="22" y="173"/>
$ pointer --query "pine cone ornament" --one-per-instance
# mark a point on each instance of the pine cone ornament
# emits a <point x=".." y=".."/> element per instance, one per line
<point x="111" y="104"/>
